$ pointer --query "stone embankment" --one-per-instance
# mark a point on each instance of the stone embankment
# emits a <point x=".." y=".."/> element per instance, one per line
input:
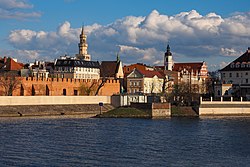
<point x="224" y="108"/>
<point x="81" y="110"/>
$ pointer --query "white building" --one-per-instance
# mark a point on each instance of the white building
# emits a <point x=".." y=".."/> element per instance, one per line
<point x="77" y="69"/>
<point x="144" y="81"/>
<point x="237" y="73"/>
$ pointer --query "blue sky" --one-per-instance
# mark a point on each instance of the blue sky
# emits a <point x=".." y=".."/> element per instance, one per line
<point x="208" y="30"/>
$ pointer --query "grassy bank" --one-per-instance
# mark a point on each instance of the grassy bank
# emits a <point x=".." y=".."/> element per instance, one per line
<point x="125" y="112"/>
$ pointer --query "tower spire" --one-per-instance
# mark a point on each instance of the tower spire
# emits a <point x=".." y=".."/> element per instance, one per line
<point x="168" y="59"/>
<point x="83" y="47"/>
<point x="117" y="57"/>
<point x="82" y="29"/>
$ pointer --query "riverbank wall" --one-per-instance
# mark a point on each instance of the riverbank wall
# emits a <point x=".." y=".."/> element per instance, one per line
<point x="155" y="110"/>
<point x="52" y="100"/>
<point x="225" y="108"/>
<point x="83" y="106"/>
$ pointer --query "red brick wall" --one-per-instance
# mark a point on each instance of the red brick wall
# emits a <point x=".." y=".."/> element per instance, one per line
<point x="56" y="86"/>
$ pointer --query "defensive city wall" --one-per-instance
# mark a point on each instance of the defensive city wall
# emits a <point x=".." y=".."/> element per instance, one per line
<point x="63" y="87"/>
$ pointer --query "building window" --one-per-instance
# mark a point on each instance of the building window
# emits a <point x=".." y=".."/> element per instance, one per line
<point x="246" y="80"/>
<point x="224" y="74"/>
<point x="75" y="92"/>
<point x="246" y="73"/>
<point x="230" y="74"/>
<point x="237" y="74"/>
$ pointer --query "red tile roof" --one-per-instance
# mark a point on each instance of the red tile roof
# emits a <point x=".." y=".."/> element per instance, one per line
<point x="150" y="74"/>
<point x="195" y="67"/>
<point x="11" y="65"/>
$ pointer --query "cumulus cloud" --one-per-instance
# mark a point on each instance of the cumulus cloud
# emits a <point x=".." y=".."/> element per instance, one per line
<point x="230" y="52"/>
<point x="14" y="9"/>
<point x="192" y="37"/>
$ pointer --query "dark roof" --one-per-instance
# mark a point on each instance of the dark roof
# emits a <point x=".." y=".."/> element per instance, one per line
<point x="77" y="63"/>
<point x="109" y="68"/>
<point x="242" y="63"/>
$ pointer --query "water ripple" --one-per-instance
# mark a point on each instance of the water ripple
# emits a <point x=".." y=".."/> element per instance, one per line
<point x="125" y="142"/>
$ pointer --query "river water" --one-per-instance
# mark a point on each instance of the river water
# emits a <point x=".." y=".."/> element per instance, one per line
<point x="125" y="142"/>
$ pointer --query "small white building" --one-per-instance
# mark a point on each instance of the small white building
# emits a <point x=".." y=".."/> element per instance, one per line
<point x="144" y="81"/>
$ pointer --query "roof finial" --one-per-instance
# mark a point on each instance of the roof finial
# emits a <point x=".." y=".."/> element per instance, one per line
<point x="168" y="47"/>
<point x="118" y="56"/>
<point x="82" y="28"/>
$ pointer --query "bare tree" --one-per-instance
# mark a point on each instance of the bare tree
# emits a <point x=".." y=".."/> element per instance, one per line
<point x="184" y="94"/>
<point x="88" y="89"/>
<point x="9" y="82"/>
<point x="167" y="84"/>
<point x="102" y="83"/>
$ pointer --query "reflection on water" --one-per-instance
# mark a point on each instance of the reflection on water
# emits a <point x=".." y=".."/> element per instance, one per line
<point x="125" y="142"/>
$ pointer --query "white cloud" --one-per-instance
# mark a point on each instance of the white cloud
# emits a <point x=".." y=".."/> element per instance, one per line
<point x="12" y="4"/>
<point x="223" y="64"/>
<point x="22" y="55"/>
<point x="17" y="9"/>
<point x="230" y="52"/>
<point x="192" y="36"/>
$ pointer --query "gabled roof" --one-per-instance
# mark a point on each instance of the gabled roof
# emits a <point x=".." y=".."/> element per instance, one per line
<point x="243" y="59"/>
<point x="190" y="67"/>
<point x="148" y="74"/>
<point x="77" y="63"/>
<point x="109" y="68"/>
<point x="10" y="65"/>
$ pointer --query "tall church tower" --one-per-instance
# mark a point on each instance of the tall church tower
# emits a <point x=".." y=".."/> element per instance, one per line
<point x="168" y="59"/>
<point x="83" y="47"/>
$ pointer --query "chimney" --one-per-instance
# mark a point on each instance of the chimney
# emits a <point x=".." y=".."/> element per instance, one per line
<point x="4" y="59"/>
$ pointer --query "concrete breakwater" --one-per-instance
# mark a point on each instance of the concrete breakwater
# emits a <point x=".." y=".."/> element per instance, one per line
<point x="80" y="110"/>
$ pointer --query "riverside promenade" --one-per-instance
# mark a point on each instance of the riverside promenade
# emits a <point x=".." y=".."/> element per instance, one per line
<point x="224" y="108"/>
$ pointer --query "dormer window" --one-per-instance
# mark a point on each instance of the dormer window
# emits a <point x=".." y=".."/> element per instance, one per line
<point x="237" y="65"/>
<point x="242" y="65"/>
<point x="248" y="65"/>
<point x="232" y="65"/>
